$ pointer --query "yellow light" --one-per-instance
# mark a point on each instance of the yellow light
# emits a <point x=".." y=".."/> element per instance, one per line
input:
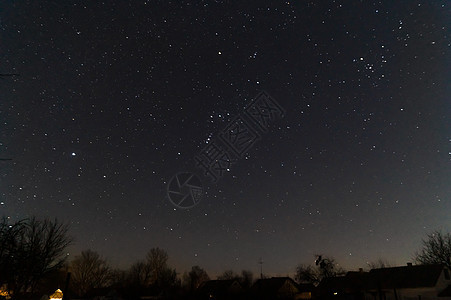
<point x="57" y="295"/>
<point x="4" y="293"/>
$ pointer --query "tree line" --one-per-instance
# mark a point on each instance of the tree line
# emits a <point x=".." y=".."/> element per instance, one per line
<point x="32" y="254"/>
<point x="89" y="271"/>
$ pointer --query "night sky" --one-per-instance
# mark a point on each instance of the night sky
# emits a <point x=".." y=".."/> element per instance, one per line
<point x="113" y="99"/>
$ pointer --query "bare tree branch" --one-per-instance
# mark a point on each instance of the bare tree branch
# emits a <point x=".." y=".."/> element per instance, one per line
<point x="30" y="249"/>
<point x="436" y="249"/>
<point x="89" y="271"/>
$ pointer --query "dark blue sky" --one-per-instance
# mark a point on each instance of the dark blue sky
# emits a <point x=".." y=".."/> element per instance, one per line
<point x="115" y="98"/>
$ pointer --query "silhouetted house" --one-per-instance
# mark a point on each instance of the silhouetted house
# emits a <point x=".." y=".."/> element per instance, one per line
<point x="275" y="288"/>
<point x="423" y="282"/>
<point x="305" y="291"/>
<point x="349" y="287"/>
<point x="220" y="289"/>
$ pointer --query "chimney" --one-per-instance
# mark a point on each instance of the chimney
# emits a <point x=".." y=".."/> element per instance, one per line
<point x="409" y="264"/>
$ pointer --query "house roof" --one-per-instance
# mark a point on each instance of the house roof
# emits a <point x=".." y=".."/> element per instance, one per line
<point x="58" y="294"/>
<point x="405" y="277"/>
<point x="351" y="281"/>
<point x="385" y="278"/>
<point x="272" y="285"/>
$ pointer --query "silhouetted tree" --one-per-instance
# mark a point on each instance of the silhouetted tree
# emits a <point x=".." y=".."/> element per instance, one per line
<point x="139" y="274"/>
<point x="118" y="278"/>
<point x="168" y="279"/>
<point x="153" y="271"/>
<point x="379" y="264"/>
<point x="195" y="277"/>
<point x="246" y="279"/>
<point x="228" y="275"/>
<point x="307" y="274"/>
<point x="30" y="249"/>
<point x="436" y="249"/>
<point x="89" y="270"/>
<point x="325" y="267"/>
<point x="157" y="260"/>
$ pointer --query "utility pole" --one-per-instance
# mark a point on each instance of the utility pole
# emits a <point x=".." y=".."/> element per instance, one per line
<point x="66" y="286"/>
<point x="260" y="262"/>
